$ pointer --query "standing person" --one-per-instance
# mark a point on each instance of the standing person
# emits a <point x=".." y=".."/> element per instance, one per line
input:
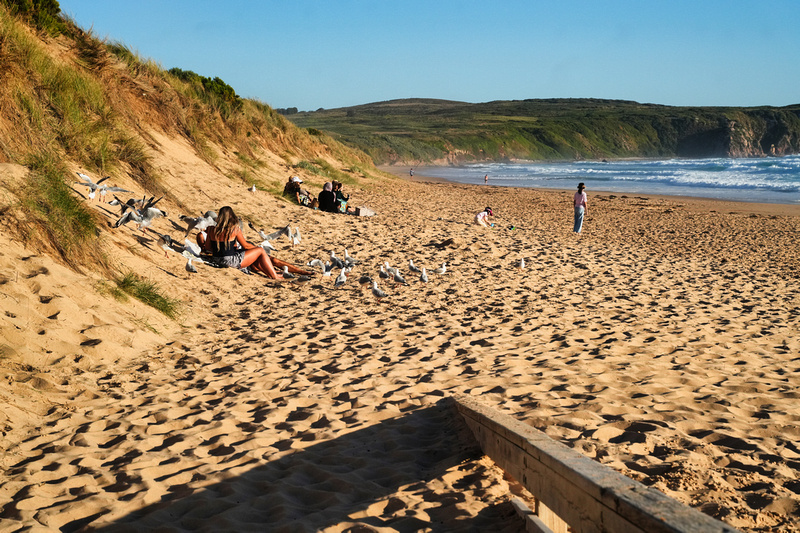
<point x="411" y="173"/>
<point x="581" y="207"/>
<point x="486" y="179"/>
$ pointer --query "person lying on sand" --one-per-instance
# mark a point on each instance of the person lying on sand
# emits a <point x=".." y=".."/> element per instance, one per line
<point x="222" y="240"/>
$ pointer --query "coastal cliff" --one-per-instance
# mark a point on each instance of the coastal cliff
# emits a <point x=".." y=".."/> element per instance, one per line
<point x="445" y="132"/>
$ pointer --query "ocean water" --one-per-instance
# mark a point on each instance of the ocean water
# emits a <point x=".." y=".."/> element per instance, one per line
<point x="769" y="180"/>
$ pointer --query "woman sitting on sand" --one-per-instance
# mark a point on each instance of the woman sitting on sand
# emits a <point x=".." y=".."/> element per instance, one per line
<point x="222" y="240"/>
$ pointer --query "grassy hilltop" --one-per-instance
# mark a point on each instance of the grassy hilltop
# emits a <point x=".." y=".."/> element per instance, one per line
<point x="448" y="132"/>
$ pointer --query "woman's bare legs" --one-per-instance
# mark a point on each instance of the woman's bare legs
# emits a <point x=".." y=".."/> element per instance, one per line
<point x="278" y="263"/>
<point x="258" y="259"/>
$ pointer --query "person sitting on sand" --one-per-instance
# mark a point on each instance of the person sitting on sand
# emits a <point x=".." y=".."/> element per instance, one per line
<point x="482" y="218"/>
<point x="296" y="192"/>
<point x="341" y="199"/>
<point x="228" y="248"/>
<point x="327" y="198"/>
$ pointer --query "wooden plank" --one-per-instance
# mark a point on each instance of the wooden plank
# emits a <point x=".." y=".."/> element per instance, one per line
<point x="588" y="496"/>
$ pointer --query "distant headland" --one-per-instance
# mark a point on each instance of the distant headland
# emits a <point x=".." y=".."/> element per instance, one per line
<point x="444" y="132"/>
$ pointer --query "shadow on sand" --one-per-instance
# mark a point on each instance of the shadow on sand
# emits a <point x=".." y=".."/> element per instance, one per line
<point x="347" y="482"/>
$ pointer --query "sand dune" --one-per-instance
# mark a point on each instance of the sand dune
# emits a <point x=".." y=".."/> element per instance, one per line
<point x="661" y="342"/>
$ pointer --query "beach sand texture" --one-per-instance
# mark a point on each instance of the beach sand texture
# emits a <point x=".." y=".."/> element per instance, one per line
<point x="661" y="342"/>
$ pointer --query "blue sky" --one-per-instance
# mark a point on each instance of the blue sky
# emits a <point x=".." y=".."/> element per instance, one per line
<point x="311" y="54"/>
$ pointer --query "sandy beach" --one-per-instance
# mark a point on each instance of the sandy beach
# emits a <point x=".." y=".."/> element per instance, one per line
<point x="661" y="342"/>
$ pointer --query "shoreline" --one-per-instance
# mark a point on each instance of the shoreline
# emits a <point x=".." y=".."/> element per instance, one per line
<point x="698" y="203"/>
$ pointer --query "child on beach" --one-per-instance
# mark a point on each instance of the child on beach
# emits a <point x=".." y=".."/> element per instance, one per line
<point x="482" y="218"/>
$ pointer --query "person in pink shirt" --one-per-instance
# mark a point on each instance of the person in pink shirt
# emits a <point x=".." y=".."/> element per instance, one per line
<point x="580" y="207"/>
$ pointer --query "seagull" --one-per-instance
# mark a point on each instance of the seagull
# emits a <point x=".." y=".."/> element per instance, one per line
<point x="398" y="278"/>
<point x="89" y="182"/>
<point x="148" y="215"/>
<point x="411" y="266"/>
<point x="296" y="236"/>
<point x="200" y="223"/>
<point x="442" y="269"/>
<point x="302" y="279"/>
<point x="377" y="292"/>
<point x="316" y="263"/>
<point x="191" y="251"/>
<point x="389" y="269"/>
<point x="105" y="189"/>
<point x="340" y="279"/>
<point x="253" y="188"/>
<point x="335" y="261"/>
<point x="364" y="281"/>
<point x="143" y="217"/>
<point x="348" y="259"/>
<point x="326" y="270"/>
<point x="286" y="273"/>
<point x="267" y="246"/>
<point x="272" y="236"/>
<point x="383" y="274"/>
<point x="522" y="263"/>
<point x="424" y="276"/>
<point x="165" y="241"/>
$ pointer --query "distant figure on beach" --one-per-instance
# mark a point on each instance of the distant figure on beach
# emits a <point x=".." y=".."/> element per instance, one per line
<point x="482" y="218"/>
<point x="580" y="207"/>
<point x="411" y="172"/>
<point x="228" y="248"/>
<point x="486" y="179"/>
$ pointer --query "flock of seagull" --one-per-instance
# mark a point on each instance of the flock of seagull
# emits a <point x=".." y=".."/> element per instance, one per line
<point x="143" y="212"/>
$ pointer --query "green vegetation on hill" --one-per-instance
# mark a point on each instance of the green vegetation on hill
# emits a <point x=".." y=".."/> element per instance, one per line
<point x="440" y="131"/>
<point x="69" y="100"/>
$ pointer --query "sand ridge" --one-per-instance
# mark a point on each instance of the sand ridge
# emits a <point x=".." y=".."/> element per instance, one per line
<point x="661" y="342"/>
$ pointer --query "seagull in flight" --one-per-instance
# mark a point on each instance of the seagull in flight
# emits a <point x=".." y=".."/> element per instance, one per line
<point x="89" y="182"/>
<point x="143" y="217"/>
<point x="201" y="223"/>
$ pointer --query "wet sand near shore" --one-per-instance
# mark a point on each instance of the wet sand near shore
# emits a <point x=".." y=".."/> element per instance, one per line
<point x="661" y="342"/>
